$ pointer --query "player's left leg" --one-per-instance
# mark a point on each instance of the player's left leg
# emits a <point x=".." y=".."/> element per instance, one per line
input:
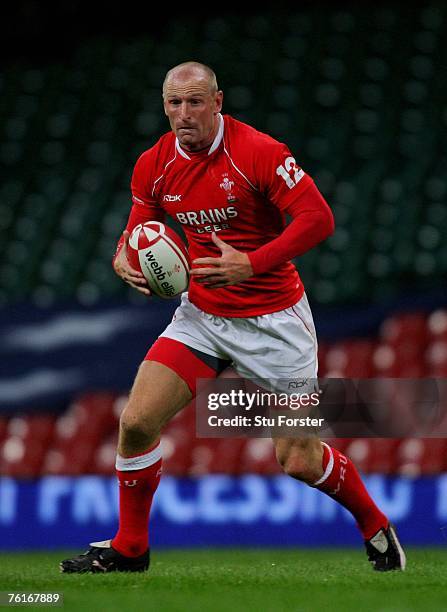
<point x="324" y="467"/>
<point x="291" y="339"/>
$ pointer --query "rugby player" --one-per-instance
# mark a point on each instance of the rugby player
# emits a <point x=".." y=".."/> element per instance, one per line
<point x="230" y="187"/>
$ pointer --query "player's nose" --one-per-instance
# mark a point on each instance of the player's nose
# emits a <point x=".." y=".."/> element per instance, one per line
<point x="184" y="113"/>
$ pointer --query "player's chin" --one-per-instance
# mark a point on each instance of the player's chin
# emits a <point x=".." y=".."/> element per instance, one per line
<point x="187" y="142"/>
<point x="189" y="137"/>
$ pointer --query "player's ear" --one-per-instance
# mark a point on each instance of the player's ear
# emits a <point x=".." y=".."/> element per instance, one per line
<point x="218" y="101"/>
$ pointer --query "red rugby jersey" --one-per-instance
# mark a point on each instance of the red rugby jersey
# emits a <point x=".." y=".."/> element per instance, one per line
<point x="240" y="188"/>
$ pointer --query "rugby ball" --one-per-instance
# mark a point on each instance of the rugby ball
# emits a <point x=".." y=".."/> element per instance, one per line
<point x="160" y="254"/>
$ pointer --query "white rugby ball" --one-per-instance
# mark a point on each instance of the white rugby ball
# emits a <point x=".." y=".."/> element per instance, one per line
<point x="160" y="254"/>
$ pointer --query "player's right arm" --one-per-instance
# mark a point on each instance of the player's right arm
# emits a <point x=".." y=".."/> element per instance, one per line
<point x="144" y="208"/>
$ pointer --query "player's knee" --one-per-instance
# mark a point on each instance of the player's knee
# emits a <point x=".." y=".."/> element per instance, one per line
<point x="301" y="459"/>
<point x="297" y="466"/>
<point x="136" y="429"/>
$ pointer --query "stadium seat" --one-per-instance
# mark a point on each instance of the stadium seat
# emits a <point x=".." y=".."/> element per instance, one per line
<point x="105" y="455"/>
<point x="323" y="348"/>
<point x="79" y="432"/>
<point x="383" y="458"/>
<point x="216" y="456"/>
<point x="258" y="456"/>
<point x="404" y="360"/>
<point x="359" y="450"/>
<point x="25" y="444"/>
<point x="3" y="428"/>
<point x="437" y="325"/>
<point x="398" y="327"/>
<point x="350" y="359"/>
<point x="436" y="358"/>
<point x="373" y="455"/>
<point x="421" y="456"/>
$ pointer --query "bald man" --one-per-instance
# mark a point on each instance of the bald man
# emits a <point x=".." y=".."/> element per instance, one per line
<point x="230" y="187"/>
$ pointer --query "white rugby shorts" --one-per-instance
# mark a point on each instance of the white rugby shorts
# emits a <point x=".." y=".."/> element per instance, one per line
<point x="279" y="345"/>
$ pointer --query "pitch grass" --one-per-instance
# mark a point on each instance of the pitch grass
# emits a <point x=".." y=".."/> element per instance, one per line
<point x="240" y="580"/>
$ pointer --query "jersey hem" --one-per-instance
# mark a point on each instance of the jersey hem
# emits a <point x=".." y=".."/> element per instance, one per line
<point x="244" y="313"/>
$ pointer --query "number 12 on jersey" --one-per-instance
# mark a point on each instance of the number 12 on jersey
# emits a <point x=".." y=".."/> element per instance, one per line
<point x="284" y="172"/>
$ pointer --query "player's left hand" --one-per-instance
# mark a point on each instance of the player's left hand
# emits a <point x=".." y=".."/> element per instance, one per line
<point x="229" y="269"/>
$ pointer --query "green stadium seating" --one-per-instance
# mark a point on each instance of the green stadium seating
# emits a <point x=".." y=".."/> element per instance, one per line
<point x="358" y="95"/>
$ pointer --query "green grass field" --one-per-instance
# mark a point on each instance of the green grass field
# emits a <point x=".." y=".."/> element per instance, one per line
<point x="236" y="580"/>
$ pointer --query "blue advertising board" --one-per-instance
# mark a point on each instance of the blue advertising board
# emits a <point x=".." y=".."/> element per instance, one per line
<point x="215" y="510"/>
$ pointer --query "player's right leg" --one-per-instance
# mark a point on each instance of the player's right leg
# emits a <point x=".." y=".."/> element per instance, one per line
<point x="165" y="383"/>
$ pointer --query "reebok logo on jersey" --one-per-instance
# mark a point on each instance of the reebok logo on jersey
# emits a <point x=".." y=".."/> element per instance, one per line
<point x="172" y="198"/>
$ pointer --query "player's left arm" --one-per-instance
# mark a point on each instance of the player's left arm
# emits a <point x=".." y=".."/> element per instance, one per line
<point x="312" y="222"/>
<point x="293" y="192"/>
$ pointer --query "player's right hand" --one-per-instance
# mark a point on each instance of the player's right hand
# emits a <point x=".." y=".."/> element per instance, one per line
<point x="122" y="267"/>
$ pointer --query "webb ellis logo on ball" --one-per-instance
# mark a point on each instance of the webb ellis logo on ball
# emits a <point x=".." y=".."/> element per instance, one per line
<point x="155" y="269"/>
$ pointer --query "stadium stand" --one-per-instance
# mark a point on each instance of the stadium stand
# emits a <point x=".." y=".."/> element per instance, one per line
<point x="367" y="125"/>
<point x="360" y="98"/>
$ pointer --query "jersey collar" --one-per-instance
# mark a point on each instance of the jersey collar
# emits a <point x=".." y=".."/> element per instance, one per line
<point x="216" y="142"/>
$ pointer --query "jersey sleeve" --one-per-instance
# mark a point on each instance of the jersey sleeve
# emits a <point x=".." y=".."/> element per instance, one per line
<point x="312" y="222"/>
<point x="144" y="206"/>
<point x="279" y="177"/>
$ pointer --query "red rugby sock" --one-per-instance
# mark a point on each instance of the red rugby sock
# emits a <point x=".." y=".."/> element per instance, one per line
<point x="136" y="491"/>
<point x="342" y="481"/>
